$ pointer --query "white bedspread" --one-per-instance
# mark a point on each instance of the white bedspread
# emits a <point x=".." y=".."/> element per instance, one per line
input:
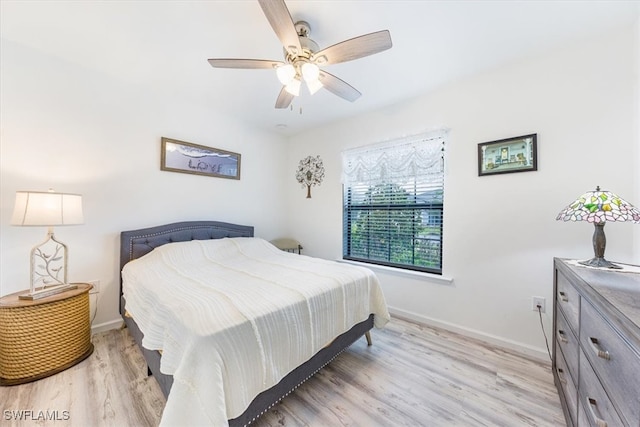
<point x="234" y="316"/>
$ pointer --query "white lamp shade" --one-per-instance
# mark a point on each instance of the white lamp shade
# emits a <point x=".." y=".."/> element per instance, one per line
<point x="314" y="86"/>
<point x="37" y="208"/>
<point x="285" y="73"/>
<point x="310" y="72"/>
<point x="293" y="87"/>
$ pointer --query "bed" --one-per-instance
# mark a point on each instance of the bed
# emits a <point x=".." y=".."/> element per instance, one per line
<point x="137" y="244"/>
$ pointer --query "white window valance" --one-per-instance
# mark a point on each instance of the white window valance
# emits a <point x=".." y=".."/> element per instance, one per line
<point x="398" y="160"/>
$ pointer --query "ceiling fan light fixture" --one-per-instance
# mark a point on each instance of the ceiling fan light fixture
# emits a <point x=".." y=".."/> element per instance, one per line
<point x="310" y="72"/>
<point x="319" y="60"/>
<point x="303" y="57"/>
<point x="293" y="87"/>
<point x="286" y="73"/>
<point x="314" y="86"/>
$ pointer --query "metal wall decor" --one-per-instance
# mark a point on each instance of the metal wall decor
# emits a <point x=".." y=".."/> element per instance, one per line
<point x="310" y="172"/>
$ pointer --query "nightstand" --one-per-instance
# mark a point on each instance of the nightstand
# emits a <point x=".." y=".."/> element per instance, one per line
<point x="42" y="337"/>
<point x="287" y="245"/>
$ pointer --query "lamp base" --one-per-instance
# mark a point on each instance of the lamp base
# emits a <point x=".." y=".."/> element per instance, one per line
<point x="47" y="291"/>
<point x="599" y="262"/>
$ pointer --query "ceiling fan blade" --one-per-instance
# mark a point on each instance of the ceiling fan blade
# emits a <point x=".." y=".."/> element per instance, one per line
<point x="284" y="99"/>
<point x="354" y="48"/>
<point x="280" y="19"/>
<point x="338" y="87"/>
<point x="244" y="63"/>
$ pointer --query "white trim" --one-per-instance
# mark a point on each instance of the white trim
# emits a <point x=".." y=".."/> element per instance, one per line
<point x="413" y="274"/>
<point x="538" y="354"/>
<point x="106" y="326"/>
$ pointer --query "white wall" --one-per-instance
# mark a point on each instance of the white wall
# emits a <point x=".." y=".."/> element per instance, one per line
<point x="500" y="233"/>
<point x="79" y="131"/>
<point x="636" y="113"/>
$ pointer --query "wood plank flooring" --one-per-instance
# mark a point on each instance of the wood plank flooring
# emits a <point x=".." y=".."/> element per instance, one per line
<point x="413" y="375"/>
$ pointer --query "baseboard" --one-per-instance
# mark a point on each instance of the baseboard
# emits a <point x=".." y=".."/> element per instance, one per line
<point x="106" y="326"/>
<point x="523" y="349"/>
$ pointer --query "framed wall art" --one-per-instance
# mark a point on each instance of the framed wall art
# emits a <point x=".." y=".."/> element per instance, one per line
<point x="517" y="154"/>
<point x="185" y="157"/>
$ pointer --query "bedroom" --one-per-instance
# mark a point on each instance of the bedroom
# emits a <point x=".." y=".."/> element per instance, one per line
<point x="90" y="128"/>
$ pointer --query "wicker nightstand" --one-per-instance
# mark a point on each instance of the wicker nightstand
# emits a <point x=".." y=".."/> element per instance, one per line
<point x="43" y="337"/>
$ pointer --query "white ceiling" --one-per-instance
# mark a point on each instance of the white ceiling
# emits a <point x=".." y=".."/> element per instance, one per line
<point x="164" y="45"/>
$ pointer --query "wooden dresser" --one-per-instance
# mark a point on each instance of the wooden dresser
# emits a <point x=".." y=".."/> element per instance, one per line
<point x="596" y="346"/>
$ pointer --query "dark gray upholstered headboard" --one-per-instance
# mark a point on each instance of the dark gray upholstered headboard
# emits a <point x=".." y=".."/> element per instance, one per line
<point x="136" y="243"/>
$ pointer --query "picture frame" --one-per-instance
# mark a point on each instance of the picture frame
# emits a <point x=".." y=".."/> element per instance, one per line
<point x="185" y="157"/>
<point x="509" y="155"/>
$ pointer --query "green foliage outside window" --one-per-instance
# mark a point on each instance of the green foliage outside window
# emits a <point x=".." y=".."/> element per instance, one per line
<point x="392" y="226"/>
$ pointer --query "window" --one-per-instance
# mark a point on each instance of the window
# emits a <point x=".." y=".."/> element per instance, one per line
<point x="393" y="203"/>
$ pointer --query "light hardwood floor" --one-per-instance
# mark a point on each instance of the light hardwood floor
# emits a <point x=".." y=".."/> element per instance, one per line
<point x="413" y="375"/>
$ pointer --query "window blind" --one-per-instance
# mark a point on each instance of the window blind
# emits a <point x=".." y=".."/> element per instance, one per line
<point x="393" y="202"/>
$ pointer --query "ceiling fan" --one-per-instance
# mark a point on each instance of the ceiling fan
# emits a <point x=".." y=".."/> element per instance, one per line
<point x="303" y="58"/>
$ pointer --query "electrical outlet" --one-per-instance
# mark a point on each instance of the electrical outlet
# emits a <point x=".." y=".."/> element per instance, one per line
<point x="96" y="286"/>
<point x="538" y="301"/>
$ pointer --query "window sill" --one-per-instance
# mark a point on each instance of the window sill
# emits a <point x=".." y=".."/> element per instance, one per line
<point x="400" y="272"/>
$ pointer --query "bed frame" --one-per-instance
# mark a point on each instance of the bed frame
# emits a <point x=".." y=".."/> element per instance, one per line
<point x="136" y="243"/>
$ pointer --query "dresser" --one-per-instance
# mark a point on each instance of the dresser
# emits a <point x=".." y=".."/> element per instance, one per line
<point x="596" y="345"/>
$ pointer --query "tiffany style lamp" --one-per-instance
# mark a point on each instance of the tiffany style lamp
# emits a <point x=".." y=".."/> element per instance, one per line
<point x="599" y="207"/>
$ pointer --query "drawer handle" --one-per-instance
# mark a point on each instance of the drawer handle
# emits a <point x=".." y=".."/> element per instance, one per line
<point x="563" y="297"/>
<point x="591" y="403"/>
<point x="562" y="336"/>
<point x="561" y="377"/>
<point x="595" y="345"/>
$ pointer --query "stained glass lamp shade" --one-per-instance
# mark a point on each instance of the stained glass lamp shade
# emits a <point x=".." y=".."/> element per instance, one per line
<point x="599" y="207"/>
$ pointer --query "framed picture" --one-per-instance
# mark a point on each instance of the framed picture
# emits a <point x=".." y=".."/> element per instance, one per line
<point x="180" y="156"/>
<point x="518" y="154"/>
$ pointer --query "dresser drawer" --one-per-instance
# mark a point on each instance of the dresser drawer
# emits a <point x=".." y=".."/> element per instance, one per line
<point x="568" y="300"/>
<point x="568" y="387"/>
<point x="598" y="408"/>
<point x="583" y="420"/>
<point x="614" y="361"/>
<point x="568" y="343"/>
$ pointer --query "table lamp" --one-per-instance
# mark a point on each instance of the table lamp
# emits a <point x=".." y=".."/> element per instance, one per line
<point x="599" y="207"/>
<point x="48" y="259"/>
